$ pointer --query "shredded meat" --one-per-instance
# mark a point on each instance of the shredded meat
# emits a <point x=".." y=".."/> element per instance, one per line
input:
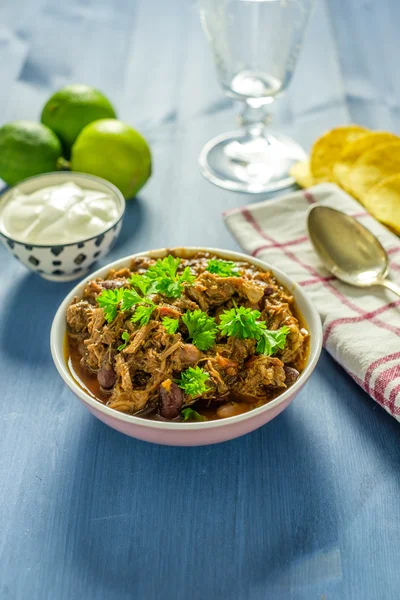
<point x="261" y="372"/>
<point x="124" y="273"/>
<point x="129" y="402"/>
<point x="96" y="286"/>
<point x="139" y="338"/>
<point x="210" y="290"/>
<point x="165" y="310"/>
<point x="78" y="314"/>
<point x="278" y="316"/>
<point x="94" y="348"/>
<point x="237" y="350"/>
<point x="189" y="355"/>
<point x="137" y="368"/>
<point x="122" y="371"/>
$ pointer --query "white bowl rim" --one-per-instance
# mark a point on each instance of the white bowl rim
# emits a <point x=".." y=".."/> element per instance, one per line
<point x="71" y="175"/>
<point x="61" y="366"/>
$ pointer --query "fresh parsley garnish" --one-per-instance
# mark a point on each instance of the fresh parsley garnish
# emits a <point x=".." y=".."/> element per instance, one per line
<point x="143" y="306"/>
<point x="126" y="337"/>
<point x="164" y="267"/>
<point x="164" y="277"/>
<point x="142" y="314"/>
<point x="142" y="283"/>
<point x="171" y="325"/>
<point x="129" y="299"/>
<point x="192" y="381"/>
<point x="202" y="328"/>
<point x="241" y="323"/>
<point x="109" y="301"/>
<point x="271" y="341"/>
<point x="188" y="414"/>
<point x="223" y="268"/>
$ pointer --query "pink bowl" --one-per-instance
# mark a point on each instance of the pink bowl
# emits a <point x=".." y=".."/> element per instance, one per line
<point x="188" y="434"/>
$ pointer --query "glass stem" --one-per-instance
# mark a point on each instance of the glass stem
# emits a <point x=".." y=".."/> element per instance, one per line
<point x="254" y="119"/>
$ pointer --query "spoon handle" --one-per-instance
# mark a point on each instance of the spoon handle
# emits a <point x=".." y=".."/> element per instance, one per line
<point x="391" y="286"/>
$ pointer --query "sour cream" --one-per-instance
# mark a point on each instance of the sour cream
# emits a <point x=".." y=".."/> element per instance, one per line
<point x="58" y="214"/>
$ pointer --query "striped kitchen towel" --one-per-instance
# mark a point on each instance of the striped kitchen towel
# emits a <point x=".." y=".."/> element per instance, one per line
<point x="361" y="326"/>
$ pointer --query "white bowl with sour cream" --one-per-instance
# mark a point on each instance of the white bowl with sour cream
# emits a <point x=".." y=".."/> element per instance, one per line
<point x="60" y="224"/>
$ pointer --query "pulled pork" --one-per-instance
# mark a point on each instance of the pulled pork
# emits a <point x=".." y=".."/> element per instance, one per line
<point x="139" y="376"/>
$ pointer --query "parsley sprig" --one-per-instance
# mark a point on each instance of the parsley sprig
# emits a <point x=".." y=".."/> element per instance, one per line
<point x="171" y="325"/>
<point x="142" y="283"/>
<point x="202" y="328"/>
<point x="144" y="306"/>
<point x="243" y="323"/>
<point x="109" y="301"/>
<point x="223" y="268"/>
<point x="131" y="298"/>
<point x="271" y="341"/>
<point x="122" y="299"/>
<point x="142" y="314"/>
<point x="188" y="414"/>
<point x="162" y="278"/>
<point x="193" y="381"/>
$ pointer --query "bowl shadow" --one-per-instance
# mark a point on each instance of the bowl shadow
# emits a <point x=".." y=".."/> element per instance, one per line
<point x="152" y="507"/>
<point x="135" y="213"/>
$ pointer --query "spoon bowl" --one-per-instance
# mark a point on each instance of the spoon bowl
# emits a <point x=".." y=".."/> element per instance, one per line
<point x="348" y="249"/>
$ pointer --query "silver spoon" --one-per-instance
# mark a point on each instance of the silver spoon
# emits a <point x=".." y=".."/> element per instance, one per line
<point x="348" y="250"/>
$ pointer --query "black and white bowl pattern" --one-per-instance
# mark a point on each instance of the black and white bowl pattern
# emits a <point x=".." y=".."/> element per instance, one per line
<point x="65" y="262"/>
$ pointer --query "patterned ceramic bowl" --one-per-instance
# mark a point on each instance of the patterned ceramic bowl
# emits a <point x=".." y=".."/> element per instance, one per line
<point x="189" y="434"/>
<point x="65" y="262"/>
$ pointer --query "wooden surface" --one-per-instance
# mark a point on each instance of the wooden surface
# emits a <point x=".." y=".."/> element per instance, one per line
<point x="307" y="508"/>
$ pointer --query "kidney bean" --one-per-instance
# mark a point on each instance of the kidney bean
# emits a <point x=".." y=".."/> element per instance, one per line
<point x="171" y="400"/>
<point x="106" y="377"/>
<point x="268" y="290"/>
<point x="291" y="375"/>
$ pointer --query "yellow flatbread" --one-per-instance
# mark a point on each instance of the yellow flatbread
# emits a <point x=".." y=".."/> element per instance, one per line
<point x="383" y="202"/>
<point x="352" y="151"/>
<point x="372" y="167"/>
<point x="328" y="148"/>
<point x="301" y="174"/>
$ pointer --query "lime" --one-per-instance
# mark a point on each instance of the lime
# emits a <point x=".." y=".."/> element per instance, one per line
<point x="27" y="149"/>
<point x="113" y="150"/>
<point x="73" y="107"/>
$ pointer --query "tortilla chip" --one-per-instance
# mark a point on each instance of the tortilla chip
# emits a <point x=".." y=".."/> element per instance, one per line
<point x="328" y="148"/>
<point x="301" y="174"/>
<point x="383" y="202"/>
<point x="352" y="151"/>
<point x="372" y="167"/>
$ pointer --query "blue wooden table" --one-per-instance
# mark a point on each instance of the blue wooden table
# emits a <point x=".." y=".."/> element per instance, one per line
<point x="307" y="508"/>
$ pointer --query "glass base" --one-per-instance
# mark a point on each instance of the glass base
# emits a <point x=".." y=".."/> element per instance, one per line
<point x="241" y="162"/>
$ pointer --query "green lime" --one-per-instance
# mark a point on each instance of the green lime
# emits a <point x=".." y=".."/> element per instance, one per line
<point x="73" y="107"/>
<point x="111" y="149"/>
<point x="27" y="149"/>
